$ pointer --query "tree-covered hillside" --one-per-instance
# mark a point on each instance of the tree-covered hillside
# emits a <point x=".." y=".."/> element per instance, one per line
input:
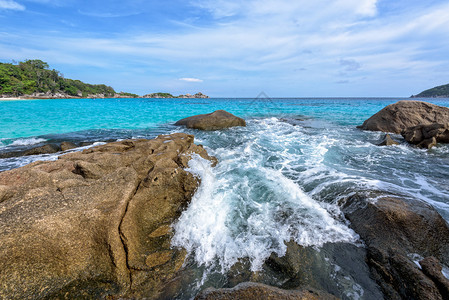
<point x="439" y="91"/>
<point x="34" y="76"/>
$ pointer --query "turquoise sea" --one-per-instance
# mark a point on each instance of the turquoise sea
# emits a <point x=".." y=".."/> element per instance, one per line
<point x="279" y="179"/>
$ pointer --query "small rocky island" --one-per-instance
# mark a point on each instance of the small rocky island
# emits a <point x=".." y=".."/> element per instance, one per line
<point x="441" y="91"/>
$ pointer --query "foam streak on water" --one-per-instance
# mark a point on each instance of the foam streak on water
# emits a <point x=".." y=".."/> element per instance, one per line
<point x="246" y="207"/>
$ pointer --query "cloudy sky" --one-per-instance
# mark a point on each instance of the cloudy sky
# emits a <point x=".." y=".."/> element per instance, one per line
<point x="230" y="48"/>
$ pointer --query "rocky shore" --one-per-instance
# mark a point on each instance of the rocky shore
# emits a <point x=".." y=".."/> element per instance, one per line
<point x="98" y="224"/>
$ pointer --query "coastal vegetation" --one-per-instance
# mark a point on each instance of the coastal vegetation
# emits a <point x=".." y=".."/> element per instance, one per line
<point x="35" y="77"/>
<point x="441" y="91"/>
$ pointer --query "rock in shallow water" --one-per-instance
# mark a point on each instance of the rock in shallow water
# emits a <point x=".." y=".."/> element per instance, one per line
<point x="388" y="141"/>
<point x="258" y="291"/>
<point x="94" y="223"/>
<point x="404" y="114"/>
<point x="393" y="230"/>
<point x="219" y="119"/>
<point x="427" y="136"/>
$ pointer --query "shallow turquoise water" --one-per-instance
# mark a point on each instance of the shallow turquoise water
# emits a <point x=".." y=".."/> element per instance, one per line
<point x="29" y="118"/>
<point x="279" y="179"/>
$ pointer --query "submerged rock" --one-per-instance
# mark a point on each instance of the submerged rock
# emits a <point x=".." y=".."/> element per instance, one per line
<point x="258" y="291"/>
<point x="68" y="145"/>
<point x="219" y="119"/>
<point x="394" y="229"/>
<point x="388" y="141"/>
<point x="404" y="114"/>
<point x="95" y="223"/>
<point x="427" y="136"/>
<point x="46" y="149"/>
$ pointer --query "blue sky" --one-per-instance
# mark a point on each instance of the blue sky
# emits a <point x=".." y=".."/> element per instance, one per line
<point x="286" y="48"/>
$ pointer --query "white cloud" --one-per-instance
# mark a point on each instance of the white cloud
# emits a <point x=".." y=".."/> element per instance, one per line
<point x="191" y="79"/>
<point x="11" y="5"/>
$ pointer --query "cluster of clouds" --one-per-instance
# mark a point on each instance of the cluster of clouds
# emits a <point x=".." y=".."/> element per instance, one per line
<point x="273" y="43"/>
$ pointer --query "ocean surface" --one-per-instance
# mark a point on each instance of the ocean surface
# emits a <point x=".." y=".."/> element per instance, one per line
<point x="279" y="179"/>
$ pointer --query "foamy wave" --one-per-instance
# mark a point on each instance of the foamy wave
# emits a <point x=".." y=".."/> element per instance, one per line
<point x="27" y="141"/>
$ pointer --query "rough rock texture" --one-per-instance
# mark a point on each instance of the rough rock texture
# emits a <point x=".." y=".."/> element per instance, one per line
<point x="427" y="136"/>
<point x="258" y="291"/>
<point x="432" y="268"/>
<point x="67" y="146"/>
<point x="393" y="229"/>
<point x="388" y="141"/>
<point x="95" y="223"/>
<point x="404" y="114"/>
<point x="219" y="119"/>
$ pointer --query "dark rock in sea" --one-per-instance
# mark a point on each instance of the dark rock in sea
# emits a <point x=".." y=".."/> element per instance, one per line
<point x="45" y="149"/>
<point x="68" y="145"/>
<point x="388" y="141"/>
<point x="432" y="268"/>
<point x="258" y="291"/>
<point x="219" y="119"/>
<point x="394" y="229"/>
<point x="427" y="136"/>
<point x="96" y="223"/>
<point x="404" y="114"/>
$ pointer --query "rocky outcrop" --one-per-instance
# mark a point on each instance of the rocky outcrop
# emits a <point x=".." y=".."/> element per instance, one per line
<point x="219" y="119"/>
<point x="388" y="141"/>
<point x="95" y="223"/>
<point x="404" y="114"/>
<point x="258" y="291"/>
<point x="394" y="230"/>
<point x="427" y="136"/>
<point x="196" y="96"/>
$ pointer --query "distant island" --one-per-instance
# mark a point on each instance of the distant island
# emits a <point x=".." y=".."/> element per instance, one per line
<point x="33" y="79"/>
<point x="441" y="91"/>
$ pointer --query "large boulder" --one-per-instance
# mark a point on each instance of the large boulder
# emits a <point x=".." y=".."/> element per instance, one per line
<point x="404" y="114"/>
<point x="219" y="119"/>
<point x="426" y="136"/>
<point x="258" y="291"/>
<point x="396" y="233"/>
<point x="96" y="223"/>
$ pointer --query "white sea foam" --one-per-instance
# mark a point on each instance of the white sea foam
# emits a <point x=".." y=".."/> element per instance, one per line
<point x="27" y="141"/>
<point x="246" y="207"/>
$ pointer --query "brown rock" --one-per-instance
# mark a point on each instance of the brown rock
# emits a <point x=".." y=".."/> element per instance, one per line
<point x="432" y="268"/>
<point x="388" y="141"/>
<point x="67" y="146"/>
<point x="392" y="229"/>
<point x="403" y="114"/>
<point x="84" y="226"/>
<point x="46" y="149"/>
<point x="427" y="136"/>
<point x="258" y="291"/>
<point x="219" y="119"/>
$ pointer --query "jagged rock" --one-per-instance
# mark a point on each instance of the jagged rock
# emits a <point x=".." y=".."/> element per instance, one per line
<point x="388" y="141"/>
<point x="404" y="114"/>
<point x="427" y="136"/>
<point x="95" y="223"/>
<point x="392" y="229"/>
<point x="67" y="146"/>
<point x="219" y="119"/>
<point x="258" y="291"/>
<point x="432" y="268"/>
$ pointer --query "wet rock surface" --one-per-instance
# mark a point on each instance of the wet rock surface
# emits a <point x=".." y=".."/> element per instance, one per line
<point x="219" y="119"/>
<point x="394" y="230"/>
<point x="427" y="136"/>
<point x="95" y="223"/>
<point x="404" y="114"/>
<point x="388" y="141"/>
<point x="258" y="291"/>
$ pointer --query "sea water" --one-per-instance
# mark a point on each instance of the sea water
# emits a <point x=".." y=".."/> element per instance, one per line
<point x="281" y="178"/>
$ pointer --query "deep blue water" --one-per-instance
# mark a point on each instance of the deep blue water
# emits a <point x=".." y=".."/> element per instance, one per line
<point x="279" y="179"/>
